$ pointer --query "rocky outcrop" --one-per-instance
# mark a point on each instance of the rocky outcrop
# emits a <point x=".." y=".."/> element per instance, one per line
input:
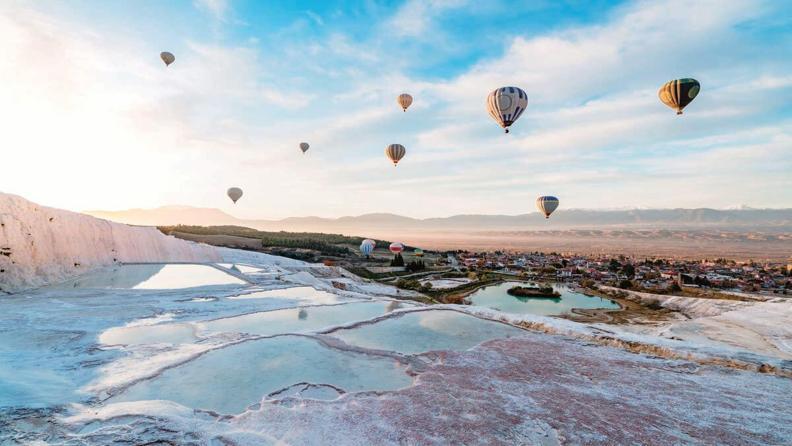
<point x="41" y="245"/>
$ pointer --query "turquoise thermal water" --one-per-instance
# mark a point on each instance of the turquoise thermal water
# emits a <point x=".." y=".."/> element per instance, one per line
<point x="496" y="297"/>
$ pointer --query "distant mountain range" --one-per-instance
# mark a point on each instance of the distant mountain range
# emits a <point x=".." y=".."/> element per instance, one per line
<point x="733" y="219"/>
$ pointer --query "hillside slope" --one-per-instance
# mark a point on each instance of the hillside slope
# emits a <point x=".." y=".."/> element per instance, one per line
<point x="41" y="245"/>
<point x="669" y="219"/>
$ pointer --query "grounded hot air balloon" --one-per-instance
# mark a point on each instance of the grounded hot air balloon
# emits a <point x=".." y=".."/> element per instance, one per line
<point x="404" y="100"/>
<point x="234" y="194"/>
<point x="304" y="147"/>
<point x="678" y="93"/>
<point x="396" y="247"/>
<point x="418" y="252"/>
<point x="367" y="247"/>
<point x="546" y="205"/>
<point x="167" y="57"/>
<point x="506" y="104"/>
<point x="395" y="152"/>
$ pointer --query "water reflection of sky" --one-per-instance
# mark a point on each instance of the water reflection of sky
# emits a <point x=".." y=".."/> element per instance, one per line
<point x="496" y="297"/>
<point x="154" y="277"/>
<point x="424" y="331"/>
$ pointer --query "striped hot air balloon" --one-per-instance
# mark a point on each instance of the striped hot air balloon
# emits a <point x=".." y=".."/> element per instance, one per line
<point x="167" y="57"/>
<point x="234" y="194"/>
<point x="396" y="247"/>
<point x="678" y="93"/>
<point x="367" y="247"/>
<point x="395" y="152"/>
<point x="404" y="100"/>
<point x="304" y="147"/>
<point x="506" y="104"/>
<point x="546" y="205"/>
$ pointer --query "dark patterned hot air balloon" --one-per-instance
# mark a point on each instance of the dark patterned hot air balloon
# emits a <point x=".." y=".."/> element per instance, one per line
<point x="234" y="193"/>
<point x="546" y="205"/>
<point x="506" y="104"/>
<point x="678" y="93"/>
<point x="167" y="57"/>
<point x="304" y="147"/>
<point x="395" y="152"/>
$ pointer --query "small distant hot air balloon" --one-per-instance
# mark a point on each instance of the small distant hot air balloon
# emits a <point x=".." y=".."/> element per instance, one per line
<point x="506" y="104"/>
<point x="395" y="152"/>
<point x="546" y="205"/>
<point x="367" y="247"/>
<point x="167" y="57"/>
<point x="396" y="247"/>
<point x="418" y="252"/>
<point x="678" y="93"/>
<point x="304" y="147"/>
<point x="234" y="194"/>
<point x="404" y="100"/>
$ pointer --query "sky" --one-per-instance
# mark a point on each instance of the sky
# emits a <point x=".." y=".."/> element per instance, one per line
<point x="92" y="119"/>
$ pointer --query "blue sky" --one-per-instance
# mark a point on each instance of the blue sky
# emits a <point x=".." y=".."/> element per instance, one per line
<point x="95" y="121"/>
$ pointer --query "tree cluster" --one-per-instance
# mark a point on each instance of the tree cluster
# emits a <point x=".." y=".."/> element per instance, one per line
<point x="416" y="265"/>
<point x="398" y="260"/>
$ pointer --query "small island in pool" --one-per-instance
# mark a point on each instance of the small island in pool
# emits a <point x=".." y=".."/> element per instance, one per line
<point x="533" y="291"/>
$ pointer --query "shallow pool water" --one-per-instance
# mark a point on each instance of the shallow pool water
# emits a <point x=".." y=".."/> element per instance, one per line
<point x="168" y="333"/>
<point x="154" y="277"/>
<point x="423" y="331"/>
<point x="497" y="298"/>
<point x="299" y="320"/>
<point x="231" y="379"/>
<point x="244" y="269"/>
<point x="305" y="294"/>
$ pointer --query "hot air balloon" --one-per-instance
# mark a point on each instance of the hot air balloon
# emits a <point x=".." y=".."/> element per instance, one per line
<point x="367" y="247"/>
<point x="506" y="104"/>
<point x="304" y="147"/>
<point x="678" y="93"/>
<point x="404" y="100"/>
<point x="395" y="152"/>
<point x="234" y="194"/>
<point x="418" y="252"/>
<point x="167" y="57"/>
<point x="546" y="205"/>
<point x="396" y="247"/>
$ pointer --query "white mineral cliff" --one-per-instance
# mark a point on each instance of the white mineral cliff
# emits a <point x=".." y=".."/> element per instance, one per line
<point x="41" y="245"/>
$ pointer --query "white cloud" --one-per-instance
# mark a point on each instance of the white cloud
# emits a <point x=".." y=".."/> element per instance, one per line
<point x="315" y="17"/>
<point x="415" y="17"/>
<point x="217" y="8"/>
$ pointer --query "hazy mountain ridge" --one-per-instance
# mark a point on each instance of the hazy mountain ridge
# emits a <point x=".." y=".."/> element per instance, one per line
<point x="774" y="219"/>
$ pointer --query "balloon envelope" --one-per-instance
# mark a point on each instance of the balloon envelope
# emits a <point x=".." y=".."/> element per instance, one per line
<point x="396" y="247"/>
<point x="367" y="247"/>
<point x="506" y="104"/>
<point x="678" y="93"/>
<point x="418" y="252"/>
<point x="546" y="205"/>
<point x="404" y="100"/>
<point x="395" y="152"/>
<point x="234" y="194"/>
<point x="304" y="147"/>
<point x="167" y="57"/>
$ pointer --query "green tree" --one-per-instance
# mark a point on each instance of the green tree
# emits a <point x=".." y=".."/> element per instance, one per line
<point x="397" y="260"/>
<point x="629" y="270"/>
